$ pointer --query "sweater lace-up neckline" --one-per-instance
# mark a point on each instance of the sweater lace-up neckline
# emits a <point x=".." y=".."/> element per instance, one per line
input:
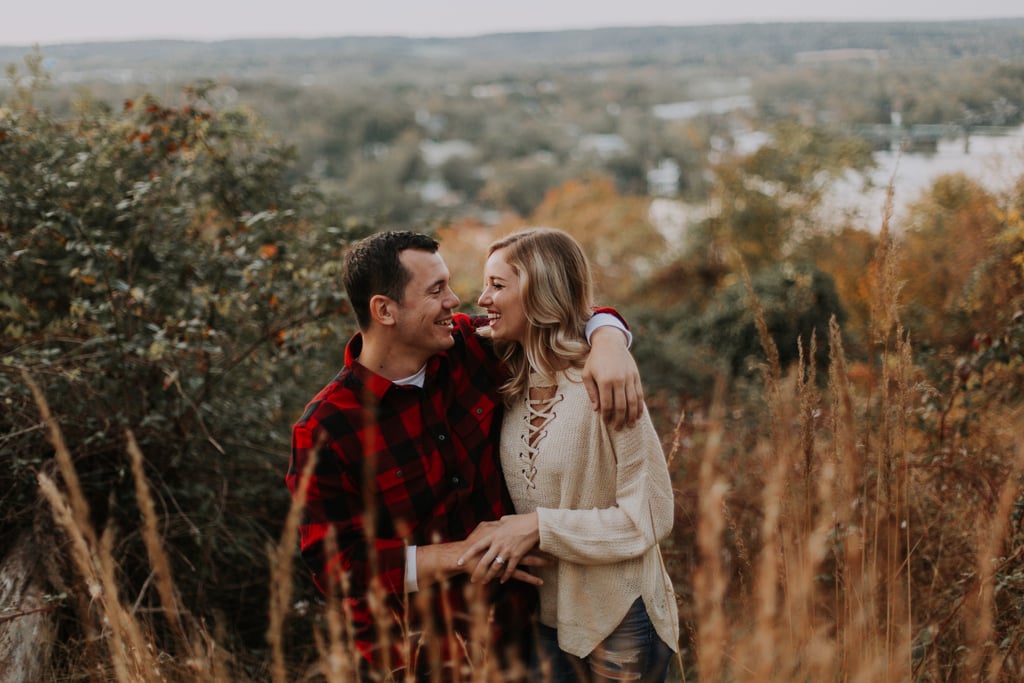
<point x="540" y="411"/>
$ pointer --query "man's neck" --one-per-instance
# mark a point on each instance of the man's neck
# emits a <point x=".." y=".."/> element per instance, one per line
<point x="387" y="360"/>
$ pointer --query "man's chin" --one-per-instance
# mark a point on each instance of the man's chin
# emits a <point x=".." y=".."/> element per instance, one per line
<point x="446" y="342"/>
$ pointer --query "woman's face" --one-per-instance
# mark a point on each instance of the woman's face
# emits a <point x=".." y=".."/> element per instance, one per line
<point x="503" y="300"/>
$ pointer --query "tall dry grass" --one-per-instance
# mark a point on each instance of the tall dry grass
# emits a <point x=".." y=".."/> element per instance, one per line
<point x="830" y="543"/>
<point x="133" y="649"/>
<point x="818" y="538"/>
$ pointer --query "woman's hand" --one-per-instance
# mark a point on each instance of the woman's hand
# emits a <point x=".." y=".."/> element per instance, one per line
<point x="501" y="547"/>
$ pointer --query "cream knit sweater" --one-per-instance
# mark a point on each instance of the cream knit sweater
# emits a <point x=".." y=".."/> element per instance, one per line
<point x="603" y="500"/>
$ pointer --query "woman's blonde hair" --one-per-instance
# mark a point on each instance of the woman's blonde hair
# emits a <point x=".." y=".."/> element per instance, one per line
<point x="556" y="288"/>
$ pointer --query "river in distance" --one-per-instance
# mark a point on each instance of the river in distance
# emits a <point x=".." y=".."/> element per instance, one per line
<point x="996" y="162"/>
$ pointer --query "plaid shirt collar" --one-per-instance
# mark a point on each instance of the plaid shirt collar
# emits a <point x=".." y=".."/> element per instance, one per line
<point x="376" y="384"/>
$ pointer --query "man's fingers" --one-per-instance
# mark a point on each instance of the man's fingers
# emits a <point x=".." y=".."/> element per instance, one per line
<point x="607" y="399"/>
<point x="512" y="570"/>
<point x="532" y="560"/>
<point x="634" y="402"/>
<point x="527" y="577"/>
<point x="639" y="397"/>
<point x="620" y="407"/>
<point x="592" y="391"/>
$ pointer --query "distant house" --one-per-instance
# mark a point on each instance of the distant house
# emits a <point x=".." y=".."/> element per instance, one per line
<point x="436" y="191"/>
<point x="604" y="146"/>
<point x="433" y="124"/>
<point x="435" y="154"/>
<point x="663" y="179"/>
<point x="674" y="219"/>
<point x="487" y="91"/>
<point x="681" y="111"/>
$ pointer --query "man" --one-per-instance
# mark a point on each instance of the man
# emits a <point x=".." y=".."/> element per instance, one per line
<point x="405" y="443"/>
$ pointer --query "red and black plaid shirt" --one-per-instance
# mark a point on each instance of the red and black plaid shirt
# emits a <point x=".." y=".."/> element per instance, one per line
<point x="397" y="466"/>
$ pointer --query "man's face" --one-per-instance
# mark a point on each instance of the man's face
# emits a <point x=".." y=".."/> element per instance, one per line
<point x="424" y="317"/>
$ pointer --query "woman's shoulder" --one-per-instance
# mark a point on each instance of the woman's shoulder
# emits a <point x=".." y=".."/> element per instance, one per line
<point x="571" y="376"/>
<point x="570" y="386"/>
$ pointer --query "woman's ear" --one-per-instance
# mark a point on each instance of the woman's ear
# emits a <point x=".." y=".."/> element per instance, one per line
<point x="382" y="310"/>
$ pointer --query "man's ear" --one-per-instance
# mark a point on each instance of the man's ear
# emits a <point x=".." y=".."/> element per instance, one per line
<point x="382" y="310"/>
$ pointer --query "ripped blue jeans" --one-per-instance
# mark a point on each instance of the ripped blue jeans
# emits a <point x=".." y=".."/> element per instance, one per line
<point x="633" y="652"/>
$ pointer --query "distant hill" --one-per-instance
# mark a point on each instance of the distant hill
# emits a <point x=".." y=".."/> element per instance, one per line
<point x="724" y="46"/>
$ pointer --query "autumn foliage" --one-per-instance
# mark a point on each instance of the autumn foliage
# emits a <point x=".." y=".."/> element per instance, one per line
<point x="841" y="408"/>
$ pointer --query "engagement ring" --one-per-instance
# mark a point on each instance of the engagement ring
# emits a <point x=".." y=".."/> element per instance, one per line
<point x="498" y="559"/>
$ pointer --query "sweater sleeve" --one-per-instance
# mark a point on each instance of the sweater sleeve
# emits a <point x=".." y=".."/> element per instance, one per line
<point x="642" y="515"/>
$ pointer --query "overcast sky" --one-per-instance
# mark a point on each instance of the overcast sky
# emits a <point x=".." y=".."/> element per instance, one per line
<point x="60" y="21"/>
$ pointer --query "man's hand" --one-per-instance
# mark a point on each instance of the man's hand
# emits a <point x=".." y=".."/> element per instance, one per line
<point x="612" y="378"/>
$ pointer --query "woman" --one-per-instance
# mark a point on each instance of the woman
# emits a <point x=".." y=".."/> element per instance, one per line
<point x="596" y="500"/>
